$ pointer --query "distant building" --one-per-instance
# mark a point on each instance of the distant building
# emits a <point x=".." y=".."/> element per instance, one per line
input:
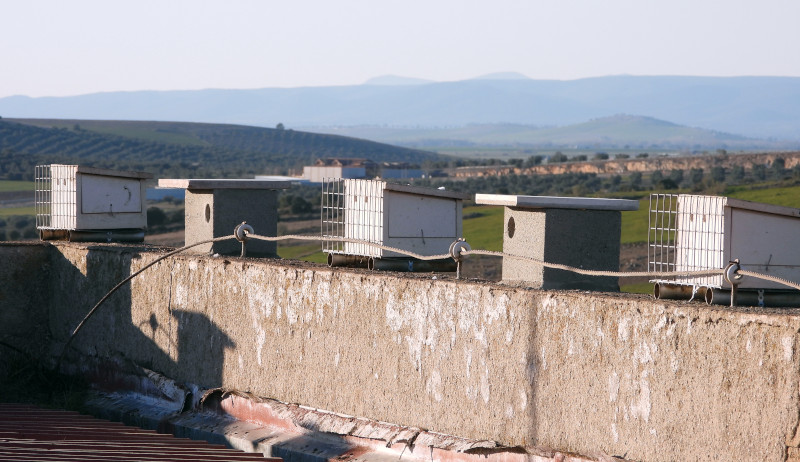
<point x="337" y="168"/>
<point x="400" y="170"/>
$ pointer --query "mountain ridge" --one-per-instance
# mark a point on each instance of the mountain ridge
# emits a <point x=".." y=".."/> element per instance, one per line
<point x="612" y="132"/>
<point x="756" y="107"/>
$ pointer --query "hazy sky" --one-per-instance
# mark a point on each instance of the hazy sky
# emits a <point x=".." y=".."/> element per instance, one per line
<point x="57" y="47"/>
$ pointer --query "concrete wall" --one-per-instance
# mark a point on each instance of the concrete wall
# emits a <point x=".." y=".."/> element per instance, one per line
<point x="574" y="371"/>
<point x="24" y="273"/>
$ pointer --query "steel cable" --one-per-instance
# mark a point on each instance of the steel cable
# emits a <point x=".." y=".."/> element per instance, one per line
<point x="622" y="274"/>
<point x="122" y="283"/>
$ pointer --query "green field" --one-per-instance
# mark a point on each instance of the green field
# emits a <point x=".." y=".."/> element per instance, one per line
<point x="8" y="212"/>
<point x="307" y="252"/>
<point x="483" y="227"/>
<point x="11" y="186"/>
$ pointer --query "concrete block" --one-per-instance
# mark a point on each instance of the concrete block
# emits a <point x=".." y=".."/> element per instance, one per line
<point x="577" y="231"/>
<point x="587" y="239"/>
<point x="215" y="207"/>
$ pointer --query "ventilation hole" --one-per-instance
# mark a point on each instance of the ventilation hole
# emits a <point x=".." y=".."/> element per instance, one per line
<point x="511" y="227"/>
<point x="208" y="213"/>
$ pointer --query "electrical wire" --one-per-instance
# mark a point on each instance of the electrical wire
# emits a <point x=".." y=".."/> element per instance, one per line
<point x="122" y="283"/>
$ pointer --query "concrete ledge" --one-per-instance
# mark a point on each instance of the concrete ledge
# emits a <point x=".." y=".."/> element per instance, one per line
<point x="204" y="184"/>
<point x="554" y="202"/>
<point x="582" y="373"/>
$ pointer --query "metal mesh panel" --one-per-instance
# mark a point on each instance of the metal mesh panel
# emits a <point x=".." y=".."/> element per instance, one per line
<point x="352" y="209"/>
<point x="687" y="233"/>
<point x="56" y="196"/>
<point x="662" y="225"/>
<point x="332" y="211"/>
<point x="700" y="237"/>
<point x="43" y="196"/>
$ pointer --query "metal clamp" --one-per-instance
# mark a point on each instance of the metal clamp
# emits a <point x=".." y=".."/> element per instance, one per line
<point x="733" y="278"/>
<point x="241" y="231"/>
<point x="455" y="251"/>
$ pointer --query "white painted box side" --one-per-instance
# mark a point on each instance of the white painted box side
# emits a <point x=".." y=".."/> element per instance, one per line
<point x="363" y="216"/>
<point x="105" y="194"/>
<point x="63" y="199"/>
<point x="700" y="237"/>
<point x="765" y="243"/>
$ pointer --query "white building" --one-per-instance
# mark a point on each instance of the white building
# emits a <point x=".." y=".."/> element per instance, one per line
<point x="336" y="168"/>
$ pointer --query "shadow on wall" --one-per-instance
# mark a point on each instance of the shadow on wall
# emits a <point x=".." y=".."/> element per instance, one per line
<point x="533" y="371"/>
<point x="159" y="337"/>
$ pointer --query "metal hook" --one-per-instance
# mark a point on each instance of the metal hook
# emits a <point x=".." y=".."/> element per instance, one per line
<point x="733" y="278"/>
<point x="241" y="231"/>
<point x="455" y="251"/>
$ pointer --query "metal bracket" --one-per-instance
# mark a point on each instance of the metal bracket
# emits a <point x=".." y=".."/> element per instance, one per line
<point x="241" y="231"/>
<point x="456" y="248"/>
<point x="733" y="278"/>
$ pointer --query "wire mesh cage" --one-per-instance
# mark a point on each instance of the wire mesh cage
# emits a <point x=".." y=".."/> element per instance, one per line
<point x="56" y="196"/>
<point x="70" y="199"/>
<point x="687" y="233"/>
<point x="352" y="209"/>
<point x="419" y="220"/>
<point x="661" y="232"/>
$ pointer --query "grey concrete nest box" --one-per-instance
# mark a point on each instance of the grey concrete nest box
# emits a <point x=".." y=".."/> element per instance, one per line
<point x="582" y="232"/>
<point x="215" y="207"/>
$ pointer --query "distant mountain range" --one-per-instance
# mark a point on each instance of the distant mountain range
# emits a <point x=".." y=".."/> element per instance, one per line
<point x="754" y="107"/>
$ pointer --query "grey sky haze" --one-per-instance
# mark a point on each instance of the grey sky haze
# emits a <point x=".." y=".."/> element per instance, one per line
<point x="58" y="48"/>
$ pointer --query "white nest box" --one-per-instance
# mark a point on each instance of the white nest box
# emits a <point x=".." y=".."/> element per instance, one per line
<point x="695" y="232"/>
<point x="421" y="220"/>
<point x="84" y="203"/>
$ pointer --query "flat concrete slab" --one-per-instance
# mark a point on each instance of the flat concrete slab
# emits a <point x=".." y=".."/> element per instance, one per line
<point x="114" y="173"/>
<point x="202" y="183"/>
<point x="555" y="202"/>
<point x="426" y="191"/>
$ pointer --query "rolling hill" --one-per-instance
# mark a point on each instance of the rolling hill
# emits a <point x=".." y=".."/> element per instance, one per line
<point x="178" y="149"/>
<point x="602" y="133"/>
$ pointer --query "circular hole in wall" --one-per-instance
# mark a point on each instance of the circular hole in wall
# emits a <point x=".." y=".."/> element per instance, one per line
<point x="511" y="227"/>
<point x="208" y="213"/>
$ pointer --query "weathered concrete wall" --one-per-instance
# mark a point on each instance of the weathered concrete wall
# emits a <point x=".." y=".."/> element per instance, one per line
<point x="24" y="272"/>
<point x="574" y="371"/>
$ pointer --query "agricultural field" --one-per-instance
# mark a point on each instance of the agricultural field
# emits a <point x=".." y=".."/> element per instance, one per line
<point x="16" y="186"/>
